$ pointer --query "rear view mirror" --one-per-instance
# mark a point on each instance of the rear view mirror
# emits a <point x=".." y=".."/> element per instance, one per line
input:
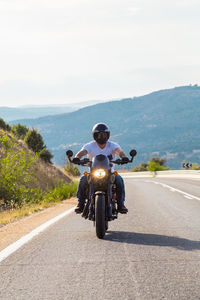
<point x="133" y="153"/>
<point x="69" y="153"/>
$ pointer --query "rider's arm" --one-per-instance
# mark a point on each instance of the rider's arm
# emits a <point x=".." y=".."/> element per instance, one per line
<point x="119" y="152"/>
<point x="81" y="153"/>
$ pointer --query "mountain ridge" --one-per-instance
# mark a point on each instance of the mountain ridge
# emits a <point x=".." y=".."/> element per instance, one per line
<point x="10" y="114"/>
<point x="164" y="123"/>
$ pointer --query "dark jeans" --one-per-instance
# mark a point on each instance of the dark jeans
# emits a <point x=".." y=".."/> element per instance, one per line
<point x="120" y="190"/>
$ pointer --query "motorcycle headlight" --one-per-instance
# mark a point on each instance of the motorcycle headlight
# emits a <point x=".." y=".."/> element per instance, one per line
<point x="99" y="173"/>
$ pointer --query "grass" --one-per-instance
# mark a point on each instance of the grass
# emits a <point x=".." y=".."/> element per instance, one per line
<point x="50" y="198"/>
<point x="9" y="216"/>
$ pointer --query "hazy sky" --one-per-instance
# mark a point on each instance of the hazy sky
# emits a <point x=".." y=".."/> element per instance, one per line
<point x="60" y="51"/>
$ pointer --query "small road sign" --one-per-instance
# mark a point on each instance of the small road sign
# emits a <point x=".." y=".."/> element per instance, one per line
<point x="187" y="165"/>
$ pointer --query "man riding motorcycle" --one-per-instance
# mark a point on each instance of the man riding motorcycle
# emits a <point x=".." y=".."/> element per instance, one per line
<point x="101" y="145"/>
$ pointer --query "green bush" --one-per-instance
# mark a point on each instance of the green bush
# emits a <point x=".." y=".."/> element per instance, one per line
<point x="72" y="170"/>
<point x="35" y="142"/>
<point x="16" y="172"/>
<point x="61" y="191"/>
<point x="155" y="166"/>
<point x="4" y="125"/>
<point x="141" y="168"/>
<point x="19" y="131"/>
<point x="195" y="166"/>
<point x="46" y="155"/>
<point x="158" y="160"/>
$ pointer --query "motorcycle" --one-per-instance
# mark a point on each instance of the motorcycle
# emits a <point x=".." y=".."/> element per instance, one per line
<point x="101" y="204"/>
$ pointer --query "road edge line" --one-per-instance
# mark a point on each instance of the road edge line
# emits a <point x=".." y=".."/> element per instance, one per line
<point x="26" y="238"/>
<point x="177" y="190"/>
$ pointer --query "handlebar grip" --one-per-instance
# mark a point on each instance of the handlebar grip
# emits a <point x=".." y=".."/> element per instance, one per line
<point x="118" y="161"/>
<point x="125" y="160"/>
<point x="76" y="161"/>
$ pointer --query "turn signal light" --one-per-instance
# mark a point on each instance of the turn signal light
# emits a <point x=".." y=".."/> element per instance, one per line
<point x="85" y="173"/>
<point x="115" y="173"/>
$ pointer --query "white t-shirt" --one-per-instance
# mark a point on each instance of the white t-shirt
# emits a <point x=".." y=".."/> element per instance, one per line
<point x="93" y="150"/>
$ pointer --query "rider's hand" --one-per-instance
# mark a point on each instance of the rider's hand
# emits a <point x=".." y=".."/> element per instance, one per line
<point x="125" y="160"/>
<point x="76" y="160"/>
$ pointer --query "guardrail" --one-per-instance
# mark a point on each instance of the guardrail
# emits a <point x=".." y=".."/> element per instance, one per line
<point x="193" y="174"/>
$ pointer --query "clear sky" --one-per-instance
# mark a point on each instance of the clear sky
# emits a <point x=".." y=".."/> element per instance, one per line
<point x="64" y="51"/>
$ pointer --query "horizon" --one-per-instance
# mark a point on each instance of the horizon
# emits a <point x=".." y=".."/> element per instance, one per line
<point x="92" y="101"/>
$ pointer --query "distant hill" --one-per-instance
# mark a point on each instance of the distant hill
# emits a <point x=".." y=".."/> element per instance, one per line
<point x="165" y="123"/>
<point x="14" y="113"/>
<point x="33" y="112"/>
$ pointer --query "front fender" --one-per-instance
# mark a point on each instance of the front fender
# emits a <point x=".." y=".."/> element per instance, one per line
<point x="100" y="193"/>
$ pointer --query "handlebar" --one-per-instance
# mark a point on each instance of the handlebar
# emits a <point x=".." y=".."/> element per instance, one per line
<point x="82" y="162"/>
<point x="86" y="161"/>
<point x="120" y="162"/>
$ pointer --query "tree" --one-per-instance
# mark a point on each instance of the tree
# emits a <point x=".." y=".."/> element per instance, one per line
<point x="19" y="130"/>
<point x="35" y="142"/>
<point x="4" y="125"/>
<point x="155" y="166"/>
<point x="160" y="161"/>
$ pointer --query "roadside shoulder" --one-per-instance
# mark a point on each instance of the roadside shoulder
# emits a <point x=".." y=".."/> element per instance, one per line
<point x="15" y="230"/>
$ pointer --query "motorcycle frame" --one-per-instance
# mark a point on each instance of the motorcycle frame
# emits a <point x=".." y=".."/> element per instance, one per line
<point x="107" y="191"/>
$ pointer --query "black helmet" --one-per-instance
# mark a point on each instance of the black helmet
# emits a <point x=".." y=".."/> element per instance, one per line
<point x="101" y="133"/>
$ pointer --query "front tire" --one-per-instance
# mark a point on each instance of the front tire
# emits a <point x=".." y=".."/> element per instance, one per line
<point x="100" y="216"/>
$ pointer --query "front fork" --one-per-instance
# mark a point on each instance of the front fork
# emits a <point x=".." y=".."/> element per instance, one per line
<point x="109" y="212"/>
<point x="89" y="210"/>
<point x="89" y="207"/>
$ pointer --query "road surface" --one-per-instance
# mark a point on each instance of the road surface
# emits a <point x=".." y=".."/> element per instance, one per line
<point x="151" y="253"/>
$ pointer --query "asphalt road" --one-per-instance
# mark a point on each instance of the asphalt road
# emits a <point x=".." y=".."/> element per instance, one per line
<point x="151" y="253"/>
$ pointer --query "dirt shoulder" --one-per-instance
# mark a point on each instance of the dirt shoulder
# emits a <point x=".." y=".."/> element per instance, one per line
<point x="14" y="231"/>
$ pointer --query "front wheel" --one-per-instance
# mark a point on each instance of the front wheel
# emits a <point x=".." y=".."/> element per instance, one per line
<point x="100" y="216"/>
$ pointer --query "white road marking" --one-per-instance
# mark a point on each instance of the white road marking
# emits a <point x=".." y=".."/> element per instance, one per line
<point x="186" y="195"/>
<point x="26" y="238"/>
<point x="164" y="185"/>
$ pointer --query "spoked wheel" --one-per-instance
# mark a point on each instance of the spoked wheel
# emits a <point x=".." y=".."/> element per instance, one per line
<point x="100" y="216"/>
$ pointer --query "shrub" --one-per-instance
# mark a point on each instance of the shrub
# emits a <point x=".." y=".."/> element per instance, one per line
<point x="61" y="191"/>
<point x="155" y="166"/>
<point x="16" y="171"/>
<point x="72" y="170"/>
<point x="160" y="161"/>
<point x="35" y="142"/>
<point x="141" y="168"/>
<point x="195" y="166"/>
<point x="19" y="131"/>
<point x="4" y="125"/>
<point x="46" y="155"/>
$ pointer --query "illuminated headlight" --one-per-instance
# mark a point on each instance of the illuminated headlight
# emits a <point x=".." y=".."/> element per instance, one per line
<point x="100" y="173"/>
